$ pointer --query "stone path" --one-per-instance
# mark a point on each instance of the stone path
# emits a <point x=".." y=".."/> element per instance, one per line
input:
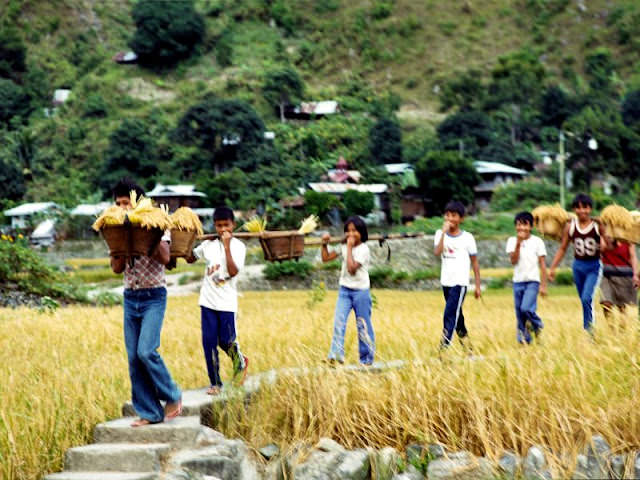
<point x="154" y="452"/>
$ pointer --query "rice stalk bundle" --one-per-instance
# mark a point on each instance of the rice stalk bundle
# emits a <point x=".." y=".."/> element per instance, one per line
<point x="550" y="220"/>
<point x="186" y="219"/>
<point x="255" y="224"/>
<point x="146" y="215"/>
<point x="113" y="215"/>
<point x="309" y="224"/>
<point x="620" y="223"/>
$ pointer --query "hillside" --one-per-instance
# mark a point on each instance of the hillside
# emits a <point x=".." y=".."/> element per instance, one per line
<point x="357" y="52"/>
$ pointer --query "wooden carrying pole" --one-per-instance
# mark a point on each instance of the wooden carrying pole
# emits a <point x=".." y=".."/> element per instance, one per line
<point x="316" y="240"/>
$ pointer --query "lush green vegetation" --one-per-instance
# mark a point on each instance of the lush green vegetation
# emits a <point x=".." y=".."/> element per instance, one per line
<point x="419" y="82"/>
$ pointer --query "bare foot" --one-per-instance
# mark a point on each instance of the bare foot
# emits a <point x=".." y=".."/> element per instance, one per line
<point x="214" y="390"/>
<point x="172" y="410"/>
<point x="141" y="422"/>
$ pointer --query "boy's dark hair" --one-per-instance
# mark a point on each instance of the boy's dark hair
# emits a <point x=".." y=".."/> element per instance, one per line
<point x="360" y="226"/>
<point x="223" y="213"/>
<point x="524" y="217"/>
<point x="124" y="186"/>
<point x="455" y="207"/>
<point x="582" y="199"/>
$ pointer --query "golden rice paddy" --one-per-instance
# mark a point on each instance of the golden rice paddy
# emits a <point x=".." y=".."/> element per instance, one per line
<point x="63" y="372"/>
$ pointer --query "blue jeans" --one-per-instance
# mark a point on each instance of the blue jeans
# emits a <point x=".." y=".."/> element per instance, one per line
<point x="586" y="275"/>
<point x="150" y="379"/>
<point x="360" y="302"/>
<point x="453" y="318"/>
<point x="219" y="329"/>
<point x="525" y="298"/>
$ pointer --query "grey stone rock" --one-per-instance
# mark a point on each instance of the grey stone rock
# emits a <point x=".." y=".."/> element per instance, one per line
<point x="509" y="464"/>
<point x="327" y="445"/>
<point x="355" y="465"/>
<point x="269" y="451"/>
<point x="181" y="431"/>
<point x="117" y="457"/>
<point x="616" y="466"/>
<point x="102" y="476"/>
<point x="636" y="466"/>
<point x="460" y="466"/>
<point x="185" y="475"/>
<point x="208" y="436"/>
<point x="411" y="473"/>
<point x="319" y="466"/>
<point x="436" y="450"/>
<point x="226" y="460"/>
<point x="593" y="463"/>
<point x="384" y="463"/>
<point x="535" y="464"/>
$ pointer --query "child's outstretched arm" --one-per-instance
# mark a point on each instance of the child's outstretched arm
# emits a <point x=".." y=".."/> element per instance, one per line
<point x="476" y="275"/>
<point x="327" y="256"/>
<point x="560" y="253"/>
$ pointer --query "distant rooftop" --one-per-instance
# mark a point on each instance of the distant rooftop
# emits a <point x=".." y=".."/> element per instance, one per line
<point x="397" y="168"/>
<point x="29" y="209"/>
<point x="90" y="209"/>
<point x="325" y="107"/>
<point x="495" y="167"/>
<point x="174" y="191"/>
<point x="331" y="187"/>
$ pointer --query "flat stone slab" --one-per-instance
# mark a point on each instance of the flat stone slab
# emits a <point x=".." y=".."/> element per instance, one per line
<point x="177" y="432"/>
<point x="117" y="457"/>
<point x="102" y="476"/>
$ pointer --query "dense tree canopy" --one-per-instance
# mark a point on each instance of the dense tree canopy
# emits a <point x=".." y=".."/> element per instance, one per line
<point x="385" y="141"/>
<point x="283" y="86"/>
<point x="166" y="32"/>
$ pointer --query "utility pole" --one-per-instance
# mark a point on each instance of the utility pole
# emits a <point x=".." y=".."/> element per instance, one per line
<point x="561" y="160"/>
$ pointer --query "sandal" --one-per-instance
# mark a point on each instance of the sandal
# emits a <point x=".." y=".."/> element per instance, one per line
<point x="214" y="390"/>
<point x="173" y="410"/>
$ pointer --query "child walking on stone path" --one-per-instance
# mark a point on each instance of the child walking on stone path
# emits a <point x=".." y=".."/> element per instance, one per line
<point x="145" y="301"/>
<point x="527" y="253"/>
<point x="458" y="251"/>
<point x="588" y="239"/>
<point x="354" y="293"/>
<point x="219" y="298"/>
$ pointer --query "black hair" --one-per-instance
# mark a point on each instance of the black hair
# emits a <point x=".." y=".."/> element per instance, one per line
<point x="455" y="207"/>
<point x="359" y="225"/>
<point x="124" y="186"/>
<point x="524" y="217"/>
<point x="582" y="199"/>
<point x="223" y="213"/>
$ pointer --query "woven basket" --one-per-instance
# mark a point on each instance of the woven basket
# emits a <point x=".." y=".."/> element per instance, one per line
<point x="182" y="242"/>
<point x="117" y="239"/>
<point x="279" y="246"/>
<point x="144" y="240"/>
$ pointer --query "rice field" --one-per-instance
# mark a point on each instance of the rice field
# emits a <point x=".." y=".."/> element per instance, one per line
<point x="63" y="372"/>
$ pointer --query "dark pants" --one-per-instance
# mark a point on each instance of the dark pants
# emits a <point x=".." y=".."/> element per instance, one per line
<point x="453" y="318"/>
<point x="219" y="330"/>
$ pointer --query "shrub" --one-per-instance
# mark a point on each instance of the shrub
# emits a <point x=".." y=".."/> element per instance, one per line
<point x="14" y="102"/>
<point x="289" y="268"/>
<point x="318" y="203"/>
<point x="564" y="278"/>
<point x="95" y="106"/>
<point x="358" y="203"/>
<point x="524" y="195"/>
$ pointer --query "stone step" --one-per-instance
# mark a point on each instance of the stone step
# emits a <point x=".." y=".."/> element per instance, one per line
<point x="102" y="476"/>
<point x="117" y="457"/>
<point x="194" y="403"/>
<point x="177" y="432"/>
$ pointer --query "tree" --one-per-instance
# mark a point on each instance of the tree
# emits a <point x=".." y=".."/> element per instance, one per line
<point x="464" y="91"/>
<point x="358" y="203"/>
<point x="599" y="67"/>
<point x="517" y="78"/>
<point x="385" y="142"/>
<point x="445" y="176"/>
<point x="14" y="103"/>
<point x="166" y="32"/>
<point x="226" y="188"/>
<point x="13" y="53"/>
<point x="282" y="87"/>
<point x="11" y="179"/>
<point x="631" y="110"/>
<point x="556" y="107"/>
<point x="131" y="152"/>
<point x="227" y="132"/>
<point x="467" y="131"/>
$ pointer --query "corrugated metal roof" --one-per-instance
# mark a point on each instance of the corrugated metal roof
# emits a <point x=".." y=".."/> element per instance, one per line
<point x="495" y="167"/>
<point x="90" y="209"/>
<point x="331" y="187"/>
<point x="174" y="191"/>
<point x="396" y="168"/>
<point x="325" y="107"/>
<point x="45" y="229"/>
<point x="29" y="208"/>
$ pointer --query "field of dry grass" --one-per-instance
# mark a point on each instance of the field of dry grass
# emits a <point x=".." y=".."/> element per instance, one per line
<point x="63" y="372"/>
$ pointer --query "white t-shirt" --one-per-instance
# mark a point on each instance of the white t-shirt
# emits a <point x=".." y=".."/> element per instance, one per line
<point x="526" y="270"/>
<point x="219" y="291"/>
<point x="456" y="258"/>
<point x="360" y="280"/>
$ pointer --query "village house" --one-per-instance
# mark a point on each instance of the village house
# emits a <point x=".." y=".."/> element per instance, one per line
<point x="25" y="215"/>
<point x="176" y="196"/>
<point x="311" y="110"/>
<point x="494" y="175"/>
